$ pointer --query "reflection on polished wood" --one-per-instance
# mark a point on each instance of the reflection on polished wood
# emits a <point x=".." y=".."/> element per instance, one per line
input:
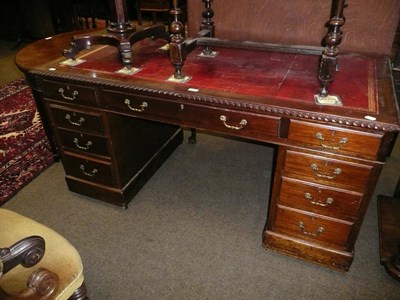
<point x="329" y="157"/>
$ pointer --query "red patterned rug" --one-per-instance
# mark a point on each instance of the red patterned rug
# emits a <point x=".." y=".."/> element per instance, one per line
<point x="24" y="149"/>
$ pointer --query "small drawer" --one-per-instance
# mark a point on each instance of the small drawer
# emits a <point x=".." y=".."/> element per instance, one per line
<point x="87" y="169"/>
<point x="312" y="227"/>
<point x="258" y="127"/>
<point x="70" y="93"/>
<point x="319" y="199"/>
<point x="76" y="119"/>
<point x="335" y="139"/>
<point x="82" y="142"/>
<point x="137" y="105"/>
<point x="326" y="171"/>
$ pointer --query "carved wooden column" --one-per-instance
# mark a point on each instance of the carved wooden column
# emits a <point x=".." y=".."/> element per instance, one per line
<point x="177" y="47"/>
<point x="328" y="64"/>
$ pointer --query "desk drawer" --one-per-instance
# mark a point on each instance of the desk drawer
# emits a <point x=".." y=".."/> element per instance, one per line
<point x="312" y="227"/>
<point x="70" y="93"/>
<point x="259" y="127"/>
<point x="76" y="119"/>
<point x="141" y="106"/>
<point x="326" y="171"/>
<point x="87" y="169"/>
<point x="319" y="199"/>
<point x="335" y="139"/>
<point x="85" y="143"/>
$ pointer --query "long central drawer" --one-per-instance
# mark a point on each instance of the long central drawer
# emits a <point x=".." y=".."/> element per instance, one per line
<point x="232" y="122"/>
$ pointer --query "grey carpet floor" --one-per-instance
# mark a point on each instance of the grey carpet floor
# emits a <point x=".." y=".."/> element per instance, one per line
<point x="194" y="232"/>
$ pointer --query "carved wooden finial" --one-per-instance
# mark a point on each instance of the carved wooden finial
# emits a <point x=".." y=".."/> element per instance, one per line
<point x="176" y="28"/>
<point x="208" y="24"/>
<point x="207" y="15"/>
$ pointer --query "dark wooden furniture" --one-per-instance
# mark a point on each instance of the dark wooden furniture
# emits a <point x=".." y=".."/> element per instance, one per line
<point x="28" y="252"/>
<point x="156" y="7"/>
<point x="87" y="11"/>
<point x="152" y="6"/>
<point x="114" y="129"/>
<point x="389" y="234"/>
<point x="25" y="20"/>
<point x="120" y="33"/>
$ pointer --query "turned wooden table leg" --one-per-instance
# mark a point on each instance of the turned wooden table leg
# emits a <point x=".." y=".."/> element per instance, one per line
<point x="328" y="63"/>
<point x="177" y="49"/>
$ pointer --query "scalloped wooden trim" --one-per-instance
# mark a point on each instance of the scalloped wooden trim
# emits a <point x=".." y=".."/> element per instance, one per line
<point x="270" y="109"/>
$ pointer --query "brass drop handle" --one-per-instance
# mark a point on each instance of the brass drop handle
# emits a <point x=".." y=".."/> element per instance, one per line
<point x="242" y="123"/>
<point x="86" y="147"/>
<point x="327" y="202"/>
<point x="319" y="136"/>
<point x="142" y="106"/>
<point x="76" y="123"/>
<point x="91" y="174"/>
<point x="317" y="233"/>
<point x="317" y="172"/>
<point x="74" y="95"/>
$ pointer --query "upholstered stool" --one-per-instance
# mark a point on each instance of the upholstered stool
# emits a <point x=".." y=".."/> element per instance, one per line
<point x="60" y="258"/>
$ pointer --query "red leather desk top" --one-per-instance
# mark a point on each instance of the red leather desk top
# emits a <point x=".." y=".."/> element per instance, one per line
<point x="273" y="75"/>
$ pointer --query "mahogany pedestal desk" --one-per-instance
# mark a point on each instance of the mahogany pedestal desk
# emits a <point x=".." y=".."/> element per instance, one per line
<point x="114" y="130"/>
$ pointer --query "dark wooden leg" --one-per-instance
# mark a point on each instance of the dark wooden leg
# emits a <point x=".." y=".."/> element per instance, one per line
<point x="392" y="266"/>
<point x="154" y="17"/>
<point x="177" y="47"/>
<point x="328" y="63"/>
<point x="94" y="24"/>
<point x="139" y="17"/>
<point x="396" y="63"/>
<point x="397" y="190"/>
<point x="192" y="139"/>
<point x="120" y="34"/>
<point x="87" y="22"/>
<point x="80" y="293"/>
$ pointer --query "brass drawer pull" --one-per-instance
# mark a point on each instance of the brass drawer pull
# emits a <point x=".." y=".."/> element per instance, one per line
<point x="317" y="233"/>
<point x="86" y="147"/>
<point x="91" y="174"/>
<point x="327" y="202"/>
<point x="317" y="172"/>
<point x="74" y="95"/>
<point x="77" y="123"/>
<point x="142" y="106"/>
<point x="321" y="139"/>
<point x="242" y="123"/>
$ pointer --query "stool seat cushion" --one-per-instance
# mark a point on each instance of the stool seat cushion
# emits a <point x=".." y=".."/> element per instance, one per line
<point x="60" y="256"/>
